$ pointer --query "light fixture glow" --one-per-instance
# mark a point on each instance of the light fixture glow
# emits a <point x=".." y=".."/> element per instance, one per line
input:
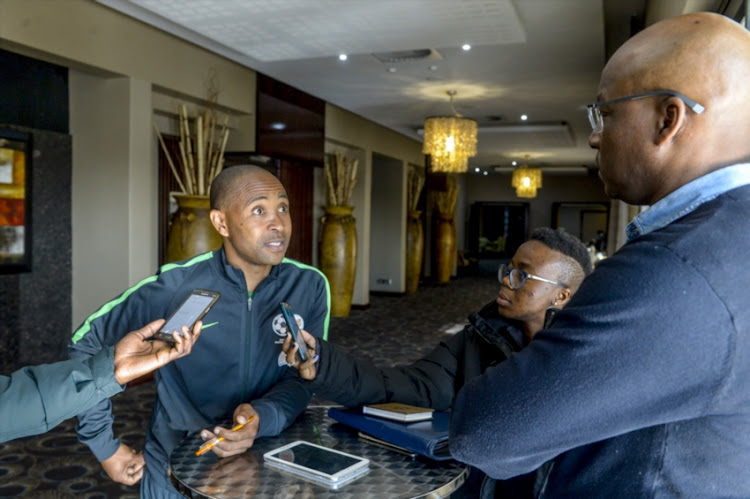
<point x="450" y="144"/>
<point x="526" y="181"/>
<point x="278" y="125"/>
<point x="476" y="170"/>
<point x="450" y="141"/>
<point x="343" y="57"/>
<point x="466" y="46"/>
<point x="485" y="172"/>
<point x="524" y="117"/>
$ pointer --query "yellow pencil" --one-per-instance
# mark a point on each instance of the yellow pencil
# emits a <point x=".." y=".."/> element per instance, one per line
<point x="210" y="444"/>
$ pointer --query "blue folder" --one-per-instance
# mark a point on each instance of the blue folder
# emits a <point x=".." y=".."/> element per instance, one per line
<point x="427" y="438"/>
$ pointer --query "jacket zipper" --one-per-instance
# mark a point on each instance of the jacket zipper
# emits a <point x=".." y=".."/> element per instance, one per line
<point x="245" y="361"/>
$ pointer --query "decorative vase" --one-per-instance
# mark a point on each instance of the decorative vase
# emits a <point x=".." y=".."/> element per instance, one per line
<point x="338" y="256"/>
<point x="191" y="232"/>
<point x="445" y="246"/>
<point x="414" y="250"/>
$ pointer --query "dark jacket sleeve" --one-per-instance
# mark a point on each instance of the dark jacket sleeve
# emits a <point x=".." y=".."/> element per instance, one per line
<point x="282" y="403"/>
<point x="105" y="327"/>
<point x="428" y="382"/>
<point x="35" y="399"/>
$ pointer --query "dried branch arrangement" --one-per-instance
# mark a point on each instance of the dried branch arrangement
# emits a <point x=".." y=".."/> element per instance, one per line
<point x="446" y="200"/>
<point x="414" y="184"/>
<point x="341" y="177"/>
<point x="201" y="155"/>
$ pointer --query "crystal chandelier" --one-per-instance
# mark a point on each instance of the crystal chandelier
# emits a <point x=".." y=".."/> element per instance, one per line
<point x="526" y="181"/>
<point x="450" y="141"/>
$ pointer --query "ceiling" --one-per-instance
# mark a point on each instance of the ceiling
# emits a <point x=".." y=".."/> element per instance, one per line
<point x="539" y="58"/>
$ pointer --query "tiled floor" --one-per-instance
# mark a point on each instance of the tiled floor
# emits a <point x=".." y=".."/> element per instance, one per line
<point x="392" y="330"/>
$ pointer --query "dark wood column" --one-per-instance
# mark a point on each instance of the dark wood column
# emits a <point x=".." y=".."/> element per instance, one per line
<point x="290" y="131"/>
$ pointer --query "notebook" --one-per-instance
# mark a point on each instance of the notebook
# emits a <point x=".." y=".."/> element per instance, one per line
<point x="398" y="412"/>
<point x="427" y="438"/>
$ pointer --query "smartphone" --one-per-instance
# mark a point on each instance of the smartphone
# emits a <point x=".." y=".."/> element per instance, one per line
<point x="320" y="464"/>
<point x="291" y="323"/>
<point x="190" y="311"/>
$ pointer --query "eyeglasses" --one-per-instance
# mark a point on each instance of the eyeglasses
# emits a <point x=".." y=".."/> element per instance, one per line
<point x="595" y="115"/>
<point x="518" y="277"/>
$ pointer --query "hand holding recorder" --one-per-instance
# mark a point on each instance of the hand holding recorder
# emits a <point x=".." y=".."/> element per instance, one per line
<point x="307" y="369"/>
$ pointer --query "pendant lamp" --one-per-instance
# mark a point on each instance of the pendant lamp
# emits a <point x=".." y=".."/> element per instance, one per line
<point x="450" y="141"/>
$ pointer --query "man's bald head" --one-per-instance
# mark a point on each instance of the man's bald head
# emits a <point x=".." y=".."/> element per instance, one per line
<point x="704" y="56"/>
<point x="227" y="184"/>
<point x="652" y="146"/>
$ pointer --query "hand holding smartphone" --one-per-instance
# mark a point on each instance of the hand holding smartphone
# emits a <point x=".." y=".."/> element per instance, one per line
<point x="291" y="323"/>
<point x="190" y="311"/>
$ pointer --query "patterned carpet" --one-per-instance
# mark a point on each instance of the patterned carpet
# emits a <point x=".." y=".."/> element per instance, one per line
<point x="392" y="330"/>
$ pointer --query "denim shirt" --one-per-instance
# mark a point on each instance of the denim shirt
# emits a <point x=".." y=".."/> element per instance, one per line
<point x="687" y="198"/>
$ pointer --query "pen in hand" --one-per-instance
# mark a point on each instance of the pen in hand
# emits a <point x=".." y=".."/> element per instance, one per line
<point x="210" y="444"/>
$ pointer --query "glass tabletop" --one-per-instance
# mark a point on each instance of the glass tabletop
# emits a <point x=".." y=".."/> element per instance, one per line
<point x="391" y="473"/>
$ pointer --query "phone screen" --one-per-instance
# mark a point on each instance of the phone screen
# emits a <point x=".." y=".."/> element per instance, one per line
<point x="193" y="308"/>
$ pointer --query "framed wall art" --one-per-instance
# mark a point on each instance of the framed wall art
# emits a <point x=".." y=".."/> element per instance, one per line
<point x="15" y="201"/>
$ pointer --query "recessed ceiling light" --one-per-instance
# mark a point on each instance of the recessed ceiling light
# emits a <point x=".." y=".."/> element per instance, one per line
<point x="391" y="69"/>
<point x="524" y="117"/>
<point x="485" y="172"/>
<point x="514" y="163"/>
<point x="342" y="57"/>
<point x="476" y="170"/>
<point x="466" y="46"/>
<point x="433" y="68"/>
<point x="278" y="125"/>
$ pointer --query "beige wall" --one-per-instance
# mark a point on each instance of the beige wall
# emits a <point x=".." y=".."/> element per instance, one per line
<point x="114" y="188"/>
<point x="358" y="137"/>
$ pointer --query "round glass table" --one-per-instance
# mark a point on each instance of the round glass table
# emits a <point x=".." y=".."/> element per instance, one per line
<point x="391" y="473"/>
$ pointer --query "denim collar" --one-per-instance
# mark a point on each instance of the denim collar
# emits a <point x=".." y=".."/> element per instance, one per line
<point x="687" y="198"/>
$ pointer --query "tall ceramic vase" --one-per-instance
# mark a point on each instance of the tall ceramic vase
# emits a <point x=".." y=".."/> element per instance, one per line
<point x="191" y="232"/>
<point x="414" y="250"/>
<point x="338" y="256"/>
<point x="445" y="246"/>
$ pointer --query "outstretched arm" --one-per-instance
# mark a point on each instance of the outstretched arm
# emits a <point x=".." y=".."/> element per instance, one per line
<point x="335" y="375"/>
<point x="35" y="399"/>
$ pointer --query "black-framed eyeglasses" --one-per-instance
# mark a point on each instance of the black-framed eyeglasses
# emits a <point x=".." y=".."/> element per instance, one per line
<point x="595" y="115"/>
<point x="517" y="277"/>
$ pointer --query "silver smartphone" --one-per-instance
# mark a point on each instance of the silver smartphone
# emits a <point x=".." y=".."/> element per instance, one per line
<point x="191" y="310"/>
<point x="323" y="465"/>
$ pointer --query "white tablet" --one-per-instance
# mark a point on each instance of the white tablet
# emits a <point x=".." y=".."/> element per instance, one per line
<point x="321" y="464"/>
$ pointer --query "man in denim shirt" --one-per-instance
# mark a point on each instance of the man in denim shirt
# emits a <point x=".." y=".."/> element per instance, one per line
<point x="641" y="386"/>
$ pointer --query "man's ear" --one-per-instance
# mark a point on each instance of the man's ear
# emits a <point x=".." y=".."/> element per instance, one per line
<point x="673" y="113"/>
<point x="217" y="218"/>
<point x="563" y="297"/>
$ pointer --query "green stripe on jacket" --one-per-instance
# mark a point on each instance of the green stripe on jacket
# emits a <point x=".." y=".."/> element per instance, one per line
<point x="328" y="291"/>
<point x="107" y="307"/>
